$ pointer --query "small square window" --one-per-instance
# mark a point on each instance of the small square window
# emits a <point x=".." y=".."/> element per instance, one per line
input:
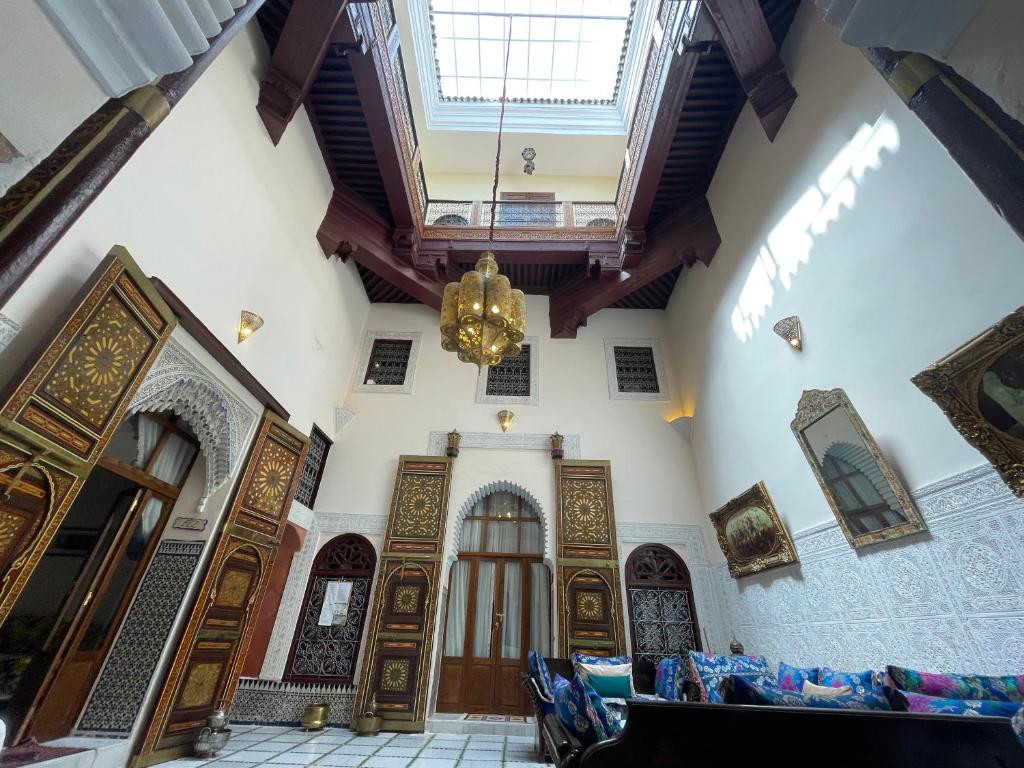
<point x="634" y="370"/>
<point x="512" y="377"/>
<point x="313" y="469"/>
<point x="389" y="360"/>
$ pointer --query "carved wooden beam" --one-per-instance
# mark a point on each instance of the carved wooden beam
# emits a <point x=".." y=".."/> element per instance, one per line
<point x="352" y="229"/>
<point x="687" y="238"/>
<point x="681" y="67"/>
<point x="751" y="49"/>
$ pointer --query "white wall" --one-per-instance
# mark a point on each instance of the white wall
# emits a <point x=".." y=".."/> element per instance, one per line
<point x="228" y="221"/>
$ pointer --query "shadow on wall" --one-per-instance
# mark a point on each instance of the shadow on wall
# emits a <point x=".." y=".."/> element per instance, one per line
<point x="790" y="241"/>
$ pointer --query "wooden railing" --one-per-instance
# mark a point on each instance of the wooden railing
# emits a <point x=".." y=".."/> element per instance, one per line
<point x="521" y="214"/>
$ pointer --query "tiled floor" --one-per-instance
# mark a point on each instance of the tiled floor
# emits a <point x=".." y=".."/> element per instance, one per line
<point x="273" y="747"/>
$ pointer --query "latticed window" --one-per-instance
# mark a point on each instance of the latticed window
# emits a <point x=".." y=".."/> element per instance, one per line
<point x="635" y="370"/>
<point x="313" y="470"/>
<point x="389" y="361"/>
<point x="512" y="377"/>
<point x="327" y="650"/>
<point x="662" y="615"/>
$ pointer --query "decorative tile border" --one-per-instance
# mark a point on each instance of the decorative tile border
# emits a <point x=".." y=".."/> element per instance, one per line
<point x="534" y="397"/>
<point x="438" y="441"/>
<point x="664" y="383"/>
<point x="121" y="688"/>
<point x="364" y="361"/>
<point x="268" y="702"/>
<point x="8" y="330"/>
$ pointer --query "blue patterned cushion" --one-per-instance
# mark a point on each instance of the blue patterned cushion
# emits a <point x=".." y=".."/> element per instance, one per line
<point x="741" y="691"/>
<point x="668" y="679"/>
<point x="860" y="682"/>
<point x="582" y="658"/>
<point x="951" y="686"/>
<point x="577" y="707"/>
<point x="792" y="678"/>
<point x="539" y="672"/>
<point x="708" y="671"/>
<point x="906" y="701"/>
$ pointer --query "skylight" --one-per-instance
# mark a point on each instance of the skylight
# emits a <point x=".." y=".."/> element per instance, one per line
<point x="562" y="50"/>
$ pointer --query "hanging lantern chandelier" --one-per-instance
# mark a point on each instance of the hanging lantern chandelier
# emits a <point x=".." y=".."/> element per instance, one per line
<point x="483" y="318"/>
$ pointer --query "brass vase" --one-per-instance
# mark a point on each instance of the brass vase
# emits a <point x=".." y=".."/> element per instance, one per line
<point x="368" y="725"/>
<point x="314" y="718"/>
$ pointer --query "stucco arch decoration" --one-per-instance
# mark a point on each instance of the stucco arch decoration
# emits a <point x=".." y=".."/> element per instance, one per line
<point x="486" y="490"/>
<point x="179" y="383"/>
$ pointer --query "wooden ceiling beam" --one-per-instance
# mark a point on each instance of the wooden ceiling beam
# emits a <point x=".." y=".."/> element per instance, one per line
<point x="747" y="39"/>
<point x="296" y="61"/>
<point x="688" y="237"/>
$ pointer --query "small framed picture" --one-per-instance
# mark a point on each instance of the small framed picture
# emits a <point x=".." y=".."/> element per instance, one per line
<point x="751" y="533"/>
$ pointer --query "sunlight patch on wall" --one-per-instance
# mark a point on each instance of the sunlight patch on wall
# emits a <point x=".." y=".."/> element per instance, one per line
<point x="789" y="243"/>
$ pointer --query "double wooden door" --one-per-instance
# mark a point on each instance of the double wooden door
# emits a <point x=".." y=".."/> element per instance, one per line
<point x="487" y="633"/>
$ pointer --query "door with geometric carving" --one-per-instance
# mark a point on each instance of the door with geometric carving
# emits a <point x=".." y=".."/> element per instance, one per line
<point x="662" y="615"/>
<point x="58" y="412"/>
<point x="328" y="652"/>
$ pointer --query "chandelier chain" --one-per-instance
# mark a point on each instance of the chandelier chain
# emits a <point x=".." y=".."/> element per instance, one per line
<point x="501" y="122"/>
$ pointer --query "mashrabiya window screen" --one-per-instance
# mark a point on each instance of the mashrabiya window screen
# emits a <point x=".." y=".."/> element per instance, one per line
<point x="662" y="614"/>
<point x="313" y="469"/>
<point x="635" y="370"/>
<point x="512" y="377"/>
<point x="389" y="362"/>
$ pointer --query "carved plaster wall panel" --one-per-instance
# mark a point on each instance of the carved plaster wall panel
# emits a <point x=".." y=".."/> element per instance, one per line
<point x="438" y="441"/>
<point x="179" y="382"/>
<point x="8" y="330"/>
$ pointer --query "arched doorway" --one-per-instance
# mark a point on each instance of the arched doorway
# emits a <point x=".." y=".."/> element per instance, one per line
<point x="498" y="608"/>
<point x="324" y="648"/>
<point x="662" y="615"/>
<point x="63" y="624"/>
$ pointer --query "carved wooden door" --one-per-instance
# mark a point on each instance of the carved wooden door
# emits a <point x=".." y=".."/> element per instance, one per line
<point x="210" y="654"/>
<point x="58" y="412"/>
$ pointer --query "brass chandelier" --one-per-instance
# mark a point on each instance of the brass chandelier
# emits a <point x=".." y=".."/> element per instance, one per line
<point x="483" y="318"/>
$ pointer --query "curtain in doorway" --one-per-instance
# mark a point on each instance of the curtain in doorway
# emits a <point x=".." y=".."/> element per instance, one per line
<point x="512" y="625"/>
<point x="484" y="609"/>
<point x="540" y="612"/>
<point x="458" y="597"/>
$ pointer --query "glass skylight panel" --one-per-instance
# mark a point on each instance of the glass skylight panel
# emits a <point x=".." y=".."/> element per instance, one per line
<point x="560" y="49"/>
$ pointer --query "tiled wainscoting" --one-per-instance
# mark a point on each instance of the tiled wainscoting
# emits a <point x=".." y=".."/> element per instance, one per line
<point x="950" y="599"/>
<point x="269" y="702"/>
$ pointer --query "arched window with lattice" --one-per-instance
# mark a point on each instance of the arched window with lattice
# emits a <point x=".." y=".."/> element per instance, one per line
<point x="330" y="627"/>
<point x="662" y="615"/>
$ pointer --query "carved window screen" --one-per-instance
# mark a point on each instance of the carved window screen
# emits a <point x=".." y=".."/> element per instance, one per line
<point x="313" y="469"/>
<point x="662" y="615"/>
<point x="635" y="370"/>
<point x="389" y="361"/>
<point x="329" y="653"/>
<point x="512" y="377"/>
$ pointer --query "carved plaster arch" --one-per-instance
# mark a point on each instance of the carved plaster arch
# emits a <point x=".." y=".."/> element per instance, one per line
<point x="486" y="490"/>
<point x="179" y="383"/>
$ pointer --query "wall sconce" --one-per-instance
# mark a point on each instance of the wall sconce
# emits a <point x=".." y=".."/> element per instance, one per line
<point x="505" y="420"/>
<point x="684" y="426"/>
<point x="789" y="329"/>
<point x="248" y="324"/>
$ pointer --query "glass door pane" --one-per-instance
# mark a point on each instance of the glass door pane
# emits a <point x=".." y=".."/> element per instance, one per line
<point x="483" y="622"/>
<point x="540" y="613"/>
<point x="458" y="600"/>
<point x="512" y="623"/>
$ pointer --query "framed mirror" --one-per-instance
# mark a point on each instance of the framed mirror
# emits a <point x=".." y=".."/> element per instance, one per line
<point x="866" y="497"/>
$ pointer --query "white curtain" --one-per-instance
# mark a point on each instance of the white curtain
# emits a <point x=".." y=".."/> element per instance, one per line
<point x="455" y="628"/>
<point x="149" y="520"/>
<point x="501" y="536"/>
<point x="472" y="536"/>
<point x="533" y="539"/>
<point x="512" y="625"/>
<point x="540" y="615"/>
<point x="484" y="609"/>
<point x="174" y="459"/>
<point x="149" y="434"/>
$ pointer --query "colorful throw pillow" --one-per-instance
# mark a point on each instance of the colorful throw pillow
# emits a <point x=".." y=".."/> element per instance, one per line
<point x="612" y="680"/>
<point x="860" y="682"/>
<point x="707" y="671"/>
<point x="577" y="707"/>
<point x="793" y="678"/>
<point x="668" y="678"/>
<point x="906" y="701"/>
<point x="952" y="686"/>
<point x="583" y="658"/>
<point x="740" y="691"/>
<point x="810" y="689"/>
<point x="539" y="672"/>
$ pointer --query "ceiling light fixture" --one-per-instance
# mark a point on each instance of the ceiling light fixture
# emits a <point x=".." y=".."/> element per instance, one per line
<point x="483" y="318"/>
<point x="529" y="155"/>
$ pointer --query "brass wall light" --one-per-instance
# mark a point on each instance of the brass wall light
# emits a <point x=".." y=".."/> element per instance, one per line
<point x="248" y="324"/>
<point x="505" y="420"/>
<point x="789" y="329"/>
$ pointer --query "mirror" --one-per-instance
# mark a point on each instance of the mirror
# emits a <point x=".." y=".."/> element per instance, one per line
<point x="867" y="499"/>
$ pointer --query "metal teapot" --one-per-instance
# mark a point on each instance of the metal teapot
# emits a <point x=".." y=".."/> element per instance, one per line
<point x="219" y="717"/>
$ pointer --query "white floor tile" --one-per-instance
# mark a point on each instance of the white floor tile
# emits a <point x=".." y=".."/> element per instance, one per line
<point x="222" y="764"/>
<point x="476" y="764"/>
<point x="387" y="762"/>
<point x="491" y="757"/>
<point x="292" y="757"/>
<point x="337" y="737"/>
<point x="349" y="749"/>
<point x="390" y="751"/>
<point x="443" y="750"/>
<point x="377" y="740"/>
<point x="319" y="747"/>
<point x="432" y="762"/>
<point x="341" y="760"/>
<point x="293" y="738"/>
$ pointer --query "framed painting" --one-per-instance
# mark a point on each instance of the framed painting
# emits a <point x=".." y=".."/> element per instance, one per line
<point x="865" y="495"/>
<point x="980" y="388"/>
<point x="751" y="533"/>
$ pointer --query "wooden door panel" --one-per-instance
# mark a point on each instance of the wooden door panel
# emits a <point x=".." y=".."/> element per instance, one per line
<point x="449" y="694"/>
<point x="509" y="686"/>
<point x="209" y="659"/>
<point x="479" y="685"/>
<point x="58" y="412"/>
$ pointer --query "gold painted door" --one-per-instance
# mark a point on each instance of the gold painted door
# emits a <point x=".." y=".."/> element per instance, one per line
<point x="58" y="412"/>
<point x="210" y="654"/>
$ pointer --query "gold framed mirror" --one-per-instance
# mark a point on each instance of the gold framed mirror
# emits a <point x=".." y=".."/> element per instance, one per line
<point x="865" y="495"/>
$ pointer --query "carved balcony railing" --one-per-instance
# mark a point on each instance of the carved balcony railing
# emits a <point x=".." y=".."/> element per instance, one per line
<point x="522" y="214"/>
